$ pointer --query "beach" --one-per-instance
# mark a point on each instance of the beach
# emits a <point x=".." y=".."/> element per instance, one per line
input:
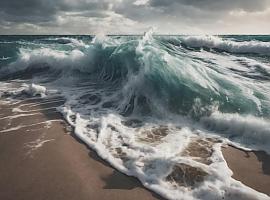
<point x="46" y="161"/>
<point x="250" y="167"/>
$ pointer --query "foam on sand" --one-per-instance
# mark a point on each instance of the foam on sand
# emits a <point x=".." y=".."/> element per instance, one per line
<point x="159" y="164"/>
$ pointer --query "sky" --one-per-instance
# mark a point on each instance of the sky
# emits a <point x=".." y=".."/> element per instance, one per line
<point x="134" y="16"/>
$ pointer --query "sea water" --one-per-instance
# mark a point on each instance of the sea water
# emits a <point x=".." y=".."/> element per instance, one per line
<point x="155" y="107"/>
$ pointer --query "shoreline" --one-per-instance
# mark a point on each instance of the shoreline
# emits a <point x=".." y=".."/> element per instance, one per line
<point x="43" y="159"/>
<point x="252" y="168"/>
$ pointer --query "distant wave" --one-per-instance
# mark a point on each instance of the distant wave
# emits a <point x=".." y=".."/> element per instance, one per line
<point x="228" y="45"/>
<point x="5" y="58"/>
<point x="64" y="40"/>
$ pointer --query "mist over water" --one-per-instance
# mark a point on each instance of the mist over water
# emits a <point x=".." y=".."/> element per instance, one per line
<point x="142" y="102"/>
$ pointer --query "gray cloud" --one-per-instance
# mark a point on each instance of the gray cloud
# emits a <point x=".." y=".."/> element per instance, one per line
<point x="214" y="5"/>
<point x="27" y="10"/>
<point x="45" y="10"/>
<point x="170" y="16"/>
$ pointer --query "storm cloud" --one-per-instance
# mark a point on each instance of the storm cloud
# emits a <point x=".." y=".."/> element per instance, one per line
<point x="216" y="5"/>
<point x="134" y="16"/>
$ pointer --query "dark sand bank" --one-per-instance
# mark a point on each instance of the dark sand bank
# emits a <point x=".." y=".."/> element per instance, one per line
<point x="41" y="160"/>
<point x="251" y="168"/>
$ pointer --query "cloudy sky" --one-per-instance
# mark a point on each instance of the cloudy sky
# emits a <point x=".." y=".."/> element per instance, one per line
<point x="134" y="16"/>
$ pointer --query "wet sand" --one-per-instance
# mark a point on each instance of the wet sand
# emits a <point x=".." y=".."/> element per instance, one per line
<point x="43" y="161"/>
<point x="251" y="168"/>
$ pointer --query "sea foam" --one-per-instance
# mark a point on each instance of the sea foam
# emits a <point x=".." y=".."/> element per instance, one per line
<point x="216" y="42"/>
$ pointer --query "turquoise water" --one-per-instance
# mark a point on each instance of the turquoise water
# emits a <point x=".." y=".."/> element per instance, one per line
<point x="176" y="72"/>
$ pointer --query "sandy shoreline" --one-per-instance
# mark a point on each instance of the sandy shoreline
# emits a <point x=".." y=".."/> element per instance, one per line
<point x="41" y="160"/>
<point x="251" y="168"/>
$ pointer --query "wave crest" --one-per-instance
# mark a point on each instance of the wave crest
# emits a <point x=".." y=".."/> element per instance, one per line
<point x="215" y="42"/>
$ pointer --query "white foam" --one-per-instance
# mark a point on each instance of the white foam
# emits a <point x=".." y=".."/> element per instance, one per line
<point x="227" y="45"/>
<point x="38" y="143"/>
<point x="254" y="132"/>
<point x="18" y="110"/>
<point x="47" y="124"/>
<point x="32" y="90"/>
<point x="35" y="145"/>
<point x="36" y="90"/>
<point x="19" y="115"/>
<point x="5" y="58"/>
<point x="151" y="163"/>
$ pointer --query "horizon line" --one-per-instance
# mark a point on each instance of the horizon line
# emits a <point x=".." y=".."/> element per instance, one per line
<point x="228" y="34"/>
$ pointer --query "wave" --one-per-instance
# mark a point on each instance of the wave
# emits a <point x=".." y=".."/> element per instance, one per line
<point x="144" y="67"/>
<point x="64" y="40"/>
<point x="249" y="130"/>
<point x="228" y="45"/>
<point x="147" y="79"/>
<point x="5" y="58"/>
<point x="24" y="91"/>
<point x="141" y="103"/>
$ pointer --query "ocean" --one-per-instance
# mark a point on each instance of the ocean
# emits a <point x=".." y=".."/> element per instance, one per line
<point x="155" y="107"/>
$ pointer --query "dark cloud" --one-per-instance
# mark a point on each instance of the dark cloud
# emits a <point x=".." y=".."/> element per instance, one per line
<point x="45" y="10"/>
<point x="89" y="13"/>
<point x="82" y="5"/>
<point x="19" y="15"/>
<point x="188" y="12"/>
<point x="213" y="5"/>
<point x="27" y="10"/>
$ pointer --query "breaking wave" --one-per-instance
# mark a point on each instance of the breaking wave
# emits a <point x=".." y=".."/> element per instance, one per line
<point x="228" y="45"/>
<point x="145" y="103"/>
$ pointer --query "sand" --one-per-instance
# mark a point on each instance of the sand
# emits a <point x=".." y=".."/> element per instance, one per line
<point x="44" y="161"/>
<point x="251" y="168"/>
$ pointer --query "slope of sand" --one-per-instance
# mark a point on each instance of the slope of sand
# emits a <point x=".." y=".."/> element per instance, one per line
<point x="251" y="168"/>
<point x="41" y="160"/>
